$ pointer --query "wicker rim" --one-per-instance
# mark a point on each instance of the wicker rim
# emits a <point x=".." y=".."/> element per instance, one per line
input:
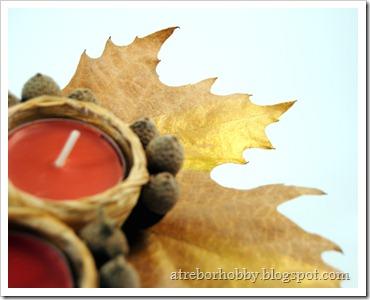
<point x="62" y="236"/>
<point x="118" y="200"/>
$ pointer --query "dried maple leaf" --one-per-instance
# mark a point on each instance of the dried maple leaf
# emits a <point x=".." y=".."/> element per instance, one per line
<point x="212" y="227"/>
<point x="214" y="129"/>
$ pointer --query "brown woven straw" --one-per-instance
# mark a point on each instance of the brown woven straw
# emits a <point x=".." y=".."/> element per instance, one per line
<point x="117" y="201"/>
<point x="60" y="235"/>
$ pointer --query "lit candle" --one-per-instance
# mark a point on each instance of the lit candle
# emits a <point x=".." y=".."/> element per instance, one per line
<point x="63" y="159"/>
<point x="35" y="263"/>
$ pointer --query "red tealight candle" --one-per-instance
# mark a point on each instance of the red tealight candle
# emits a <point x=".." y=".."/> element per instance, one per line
<point x="35" y="263"/>
<point x="63" y="159"/>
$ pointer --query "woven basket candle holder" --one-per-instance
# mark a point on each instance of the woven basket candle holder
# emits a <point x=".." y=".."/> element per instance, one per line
<point x="116" y="201"/>
<point x="47" y="227"/>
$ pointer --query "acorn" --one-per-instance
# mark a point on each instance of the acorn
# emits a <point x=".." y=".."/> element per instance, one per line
<point x="145" y="129"/>
<point x="165" y="154"/>
<point x="12" y="99"/>
<point x="104" y="240"/>
<point x="84" y="94"/>
<point x="157" y="198"/>
<point x="118" y="273"/>
<point x="39" y="85"/>
<point x="160" y="194"/>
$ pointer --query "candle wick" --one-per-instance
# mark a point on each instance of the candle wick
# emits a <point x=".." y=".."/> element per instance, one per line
<point x="67" y="149"/>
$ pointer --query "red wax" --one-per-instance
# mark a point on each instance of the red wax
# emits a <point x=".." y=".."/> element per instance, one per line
<point x="94" y="165"/>
<point x="35" y="263"/>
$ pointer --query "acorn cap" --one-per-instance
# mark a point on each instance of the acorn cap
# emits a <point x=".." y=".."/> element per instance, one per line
<point x="84" y="94"/>
<point x="145" y="129"/>
<point x="160" y="194"/>
<point x="104" y="240"/>
<point x="165" y="154"/>
<point x="118" y="273"/>
<point x="39" y="85"/>
<point x="12" y="99"/>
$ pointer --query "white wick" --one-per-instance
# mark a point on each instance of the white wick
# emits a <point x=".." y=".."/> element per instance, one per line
<point x="67" y="149"/>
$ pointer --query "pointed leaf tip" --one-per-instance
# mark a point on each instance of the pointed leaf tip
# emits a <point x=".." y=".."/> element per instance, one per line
<point x="108" y="45"/>
<point x="162" y="35"/>
<point x="206" y="84"/>
<point x="84" y="55"/>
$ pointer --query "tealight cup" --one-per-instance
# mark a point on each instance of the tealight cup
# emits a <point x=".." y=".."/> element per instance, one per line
<point x="62" y="251"/>
<point x="118" y="200"/>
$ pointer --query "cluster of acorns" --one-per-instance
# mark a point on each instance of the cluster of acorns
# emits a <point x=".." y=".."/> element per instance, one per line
<point x="40" y="85"/>
<point x="165" y="156"/>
